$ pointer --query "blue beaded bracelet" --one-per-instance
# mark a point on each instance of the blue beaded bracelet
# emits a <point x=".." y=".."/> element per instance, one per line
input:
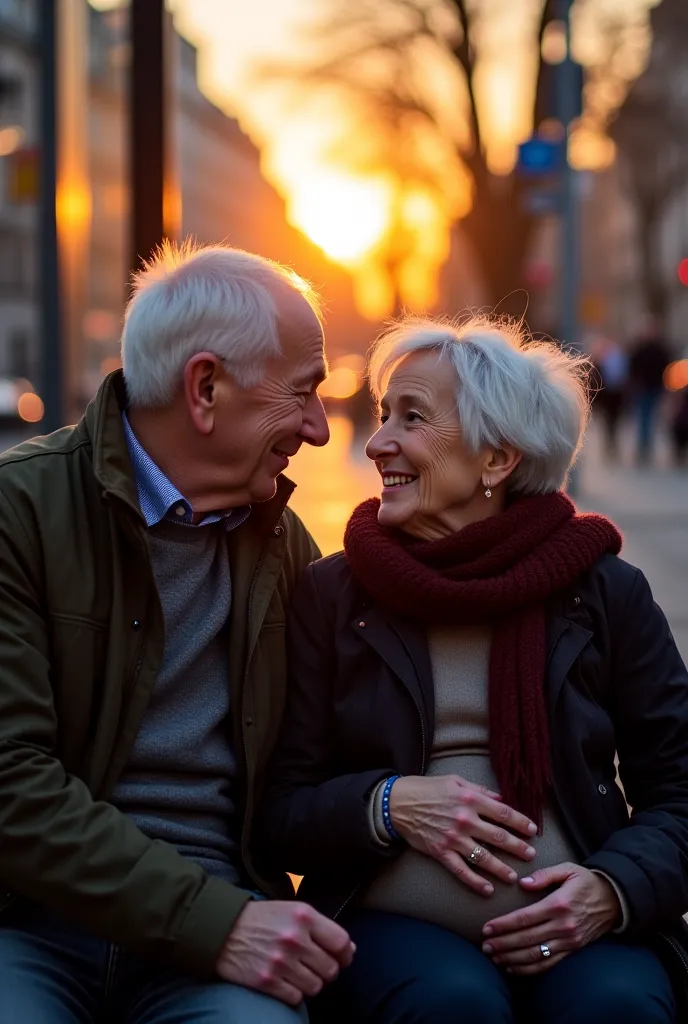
<point x="386" y="817"/>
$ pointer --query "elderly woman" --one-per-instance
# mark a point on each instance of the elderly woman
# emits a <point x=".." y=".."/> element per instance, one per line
<point x="463" y="677"/>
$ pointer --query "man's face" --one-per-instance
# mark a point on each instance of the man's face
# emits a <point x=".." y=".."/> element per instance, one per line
<point x="258" y="430"/>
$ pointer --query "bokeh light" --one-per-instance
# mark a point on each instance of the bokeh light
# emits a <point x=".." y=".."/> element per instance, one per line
<point x="676" y="375"/>
<point x="342" y="383"/>
<point x="10" y="139"/>
<point x="30" y="407"/>
<point x="683" y="272"/>
<point x="554" y="45"/>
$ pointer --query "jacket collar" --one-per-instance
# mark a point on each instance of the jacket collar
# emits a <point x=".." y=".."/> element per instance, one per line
<point x="566" y="639"/>
<point x="402" y="644"/>
<point x="112" y="463"/>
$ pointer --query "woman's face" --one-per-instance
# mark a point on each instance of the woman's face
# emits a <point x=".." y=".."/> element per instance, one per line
<point x="432" y="485"/>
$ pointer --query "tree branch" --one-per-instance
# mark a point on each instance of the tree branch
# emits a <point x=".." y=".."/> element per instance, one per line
<point x="464" y="53"/>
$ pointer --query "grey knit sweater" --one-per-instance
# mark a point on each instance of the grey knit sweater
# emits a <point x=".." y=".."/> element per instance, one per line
<point x="178" y="784"/>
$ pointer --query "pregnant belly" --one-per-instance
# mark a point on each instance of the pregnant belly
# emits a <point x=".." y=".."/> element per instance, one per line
<point x="419" y="886"/>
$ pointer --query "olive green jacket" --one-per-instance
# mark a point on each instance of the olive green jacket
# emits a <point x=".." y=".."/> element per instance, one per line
<point x="81" y="640"/>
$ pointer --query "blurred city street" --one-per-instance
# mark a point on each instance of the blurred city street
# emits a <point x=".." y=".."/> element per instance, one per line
<point x="650" y="506"/>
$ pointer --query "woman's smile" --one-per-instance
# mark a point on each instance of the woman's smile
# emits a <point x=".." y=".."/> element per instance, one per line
<point x="396" y="481"/>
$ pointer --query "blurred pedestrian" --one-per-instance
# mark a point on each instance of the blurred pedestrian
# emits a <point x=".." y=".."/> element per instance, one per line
<point x="679" y="427"/>
<point x="147" y="558"/>
<point x="612" y="365"/>
<point x="650" y="357"/>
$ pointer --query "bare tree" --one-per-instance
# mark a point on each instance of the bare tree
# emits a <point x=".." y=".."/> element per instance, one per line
<point x="411" y="67"/>
<point x="388" y="57"/>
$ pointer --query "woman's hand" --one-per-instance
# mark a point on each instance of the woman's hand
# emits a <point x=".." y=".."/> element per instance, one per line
<point x="583" y="908"/>
<point x="446" y="817"/>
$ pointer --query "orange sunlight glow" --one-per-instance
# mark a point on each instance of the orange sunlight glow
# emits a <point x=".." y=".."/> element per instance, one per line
<point x="30" y="407"/>
<point x="392" y="237"/>
<point x="344" y="215"/>
<point x="676" y="375"/>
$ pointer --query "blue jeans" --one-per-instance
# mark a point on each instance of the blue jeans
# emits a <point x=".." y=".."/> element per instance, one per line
<point x="53" y="973"/>
<point x="410" y="972"/>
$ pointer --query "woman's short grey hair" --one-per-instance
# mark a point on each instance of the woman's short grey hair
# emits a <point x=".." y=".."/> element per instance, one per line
<point x="509" y="390"/>
<point x="189" y="299"/>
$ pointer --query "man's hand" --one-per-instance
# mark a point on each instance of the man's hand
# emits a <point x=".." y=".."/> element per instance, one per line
<point x="583" y="908"/>
<point x="286" y="950"/>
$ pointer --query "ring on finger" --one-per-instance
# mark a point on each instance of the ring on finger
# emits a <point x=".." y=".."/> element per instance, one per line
<point x="545" y="950"/>
<point x="477" y="854"/>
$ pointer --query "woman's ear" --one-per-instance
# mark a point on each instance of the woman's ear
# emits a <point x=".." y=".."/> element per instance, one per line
<point x="500" y="464"/>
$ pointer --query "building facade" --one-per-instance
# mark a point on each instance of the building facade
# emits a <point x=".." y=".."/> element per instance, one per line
<point x="220" y="194"/>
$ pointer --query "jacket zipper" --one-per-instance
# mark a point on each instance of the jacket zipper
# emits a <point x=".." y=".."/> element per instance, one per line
<point x="242" y="695"/>
<point x="417" y="706"/>
<point x="422" y="732"/>
<point x="347" y="901"/>
<point x="251" y="590"/>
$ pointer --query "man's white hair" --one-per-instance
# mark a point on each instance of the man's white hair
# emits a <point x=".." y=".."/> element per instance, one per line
<point x="510" y="390"/>
<point x="189" y="299"/>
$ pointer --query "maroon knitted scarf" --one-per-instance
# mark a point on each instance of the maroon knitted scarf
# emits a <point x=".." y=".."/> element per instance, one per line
<point x="498" y="571"/>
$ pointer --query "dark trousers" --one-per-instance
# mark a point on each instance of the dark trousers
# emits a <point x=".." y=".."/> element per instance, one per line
<point x="410" y="972"/>
<point x="647" y="408"/>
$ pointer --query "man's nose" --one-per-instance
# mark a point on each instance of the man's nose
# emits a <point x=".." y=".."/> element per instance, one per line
<point x="315" y="429"/>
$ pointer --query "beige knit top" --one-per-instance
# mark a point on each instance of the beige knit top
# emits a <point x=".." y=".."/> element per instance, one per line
<point x="419" y="886"/>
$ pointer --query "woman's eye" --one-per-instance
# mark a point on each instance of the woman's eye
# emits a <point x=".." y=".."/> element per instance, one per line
<point x="383" y="418"/>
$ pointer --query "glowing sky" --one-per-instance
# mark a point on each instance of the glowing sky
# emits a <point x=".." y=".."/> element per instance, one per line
<point x="348" y="213"/>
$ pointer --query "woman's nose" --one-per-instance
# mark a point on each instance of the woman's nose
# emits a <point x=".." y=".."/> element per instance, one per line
<point x="381" y="444"/>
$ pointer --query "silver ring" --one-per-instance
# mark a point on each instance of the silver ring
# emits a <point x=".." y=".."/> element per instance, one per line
<point x="545" y="950"/>
<point x="477" y="854"/>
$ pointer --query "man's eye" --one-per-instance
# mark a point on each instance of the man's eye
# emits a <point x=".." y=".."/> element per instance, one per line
<point x="412" y="417"/>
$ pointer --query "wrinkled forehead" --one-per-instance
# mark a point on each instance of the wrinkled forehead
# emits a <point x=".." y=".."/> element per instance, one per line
<point x="428" y="374"/>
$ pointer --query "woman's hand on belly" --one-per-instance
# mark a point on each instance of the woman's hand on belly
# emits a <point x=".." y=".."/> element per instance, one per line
<point x="582" y="909"/>
<point x="449" y="819"/>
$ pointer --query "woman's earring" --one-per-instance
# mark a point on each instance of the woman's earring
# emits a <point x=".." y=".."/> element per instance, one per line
<point x="488" y="492"/>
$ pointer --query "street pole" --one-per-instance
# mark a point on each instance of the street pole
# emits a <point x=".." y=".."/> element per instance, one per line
<point x="570" y="271"/>
<point x="154" y="197"/>
<point x="52" y="387"/>
<point x="567" y="104"/>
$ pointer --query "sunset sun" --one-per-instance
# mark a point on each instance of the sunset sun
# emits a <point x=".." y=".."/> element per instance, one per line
<point x="345" y="216"/>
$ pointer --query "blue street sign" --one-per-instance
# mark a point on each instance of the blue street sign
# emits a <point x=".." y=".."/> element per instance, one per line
<point x="539" y="156"/>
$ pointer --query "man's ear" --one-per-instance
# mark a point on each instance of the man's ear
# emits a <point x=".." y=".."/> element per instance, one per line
<point x="201" y="376"/>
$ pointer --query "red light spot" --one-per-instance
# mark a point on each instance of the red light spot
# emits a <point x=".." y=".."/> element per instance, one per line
<point x="683" y="272"/>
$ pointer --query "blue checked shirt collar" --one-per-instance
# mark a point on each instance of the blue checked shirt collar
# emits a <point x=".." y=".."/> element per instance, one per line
<point x="159" y="498"/>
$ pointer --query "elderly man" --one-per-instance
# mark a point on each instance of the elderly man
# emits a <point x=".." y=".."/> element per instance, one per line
<point x="146" y="560"/>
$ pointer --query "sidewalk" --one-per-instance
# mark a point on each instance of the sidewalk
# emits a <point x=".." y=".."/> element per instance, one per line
<point x="650" y="506"/>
